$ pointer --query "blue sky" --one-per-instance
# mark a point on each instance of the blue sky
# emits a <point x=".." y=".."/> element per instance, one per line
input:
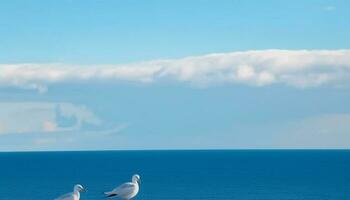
<point x="95" y="75"/>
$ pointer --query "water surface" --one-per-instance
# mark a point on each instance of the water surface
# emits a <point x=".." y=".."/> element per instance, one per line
<point x="207" y="175"/>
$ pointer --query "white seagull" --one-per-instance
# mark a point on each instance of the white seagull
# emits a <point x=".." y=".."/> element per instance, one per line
<point x="126" y="191"/>
<point x="75" y="195"/>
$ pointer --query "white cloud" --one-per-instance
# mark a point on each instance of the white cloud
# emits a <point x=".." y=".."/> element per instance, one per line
<point x="43" y="117"/>
<point x="297" y="68"/>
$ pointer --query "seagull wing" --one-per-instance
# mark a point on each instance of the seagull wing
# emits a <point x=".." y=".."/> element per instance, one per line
<point x="68" y="196"/>
<point x="122" y="190"/>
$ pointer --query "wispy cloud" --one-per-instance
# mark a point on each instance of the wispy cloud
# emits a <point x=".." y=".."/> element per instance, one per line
<point x="45" y="141"/>
<point x="297" y="68"/>
<point x="43" y="117"/>
<point x="324" y="131"/>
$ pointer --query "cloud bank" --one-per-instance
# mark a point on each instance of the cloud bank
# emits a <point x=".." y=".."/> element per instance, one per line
<point x="296" y="68"/>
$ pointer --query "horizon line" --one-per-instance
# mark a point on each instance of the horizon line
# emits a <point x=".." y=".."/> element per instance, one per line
<point x="228" y="149"/>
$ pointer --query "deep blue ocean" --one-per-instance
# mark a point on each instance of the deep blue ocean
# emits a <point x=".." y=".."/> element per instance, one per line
<point x="208" y="175"/>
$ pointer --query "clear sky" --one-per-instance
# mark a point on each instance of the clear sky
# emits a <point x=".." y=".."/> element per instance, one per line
<point x="96" y="75"/>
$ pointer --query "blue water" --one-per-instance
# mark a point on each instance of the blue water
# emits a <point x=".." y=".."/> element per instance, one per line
<point x="241" y="175"/>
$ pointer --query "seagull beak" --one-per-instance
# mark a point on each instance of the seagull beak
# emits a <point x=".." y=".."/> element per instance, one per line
<point x="139" y="181"/>
<point x="84" y="190"/>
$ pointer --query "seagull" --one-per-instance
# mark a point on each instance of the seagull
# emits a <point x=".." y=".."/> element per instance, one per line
<point x="75" y="195"/>
<point x="126" y="191"/>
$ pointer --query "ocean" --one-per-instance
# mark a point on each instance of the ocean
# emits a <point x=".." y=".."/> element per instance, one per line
<point x="172" y="175"/>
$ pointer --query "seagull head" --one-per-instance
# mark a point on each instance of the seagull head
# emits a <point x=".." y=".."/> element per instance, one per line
<point x="79" y="188"/>
<point x="136" y="179"/>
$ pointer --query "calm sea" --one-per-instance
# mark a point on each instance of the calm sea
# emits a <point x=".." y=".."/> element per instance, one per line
<point x="165" y="175"/>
